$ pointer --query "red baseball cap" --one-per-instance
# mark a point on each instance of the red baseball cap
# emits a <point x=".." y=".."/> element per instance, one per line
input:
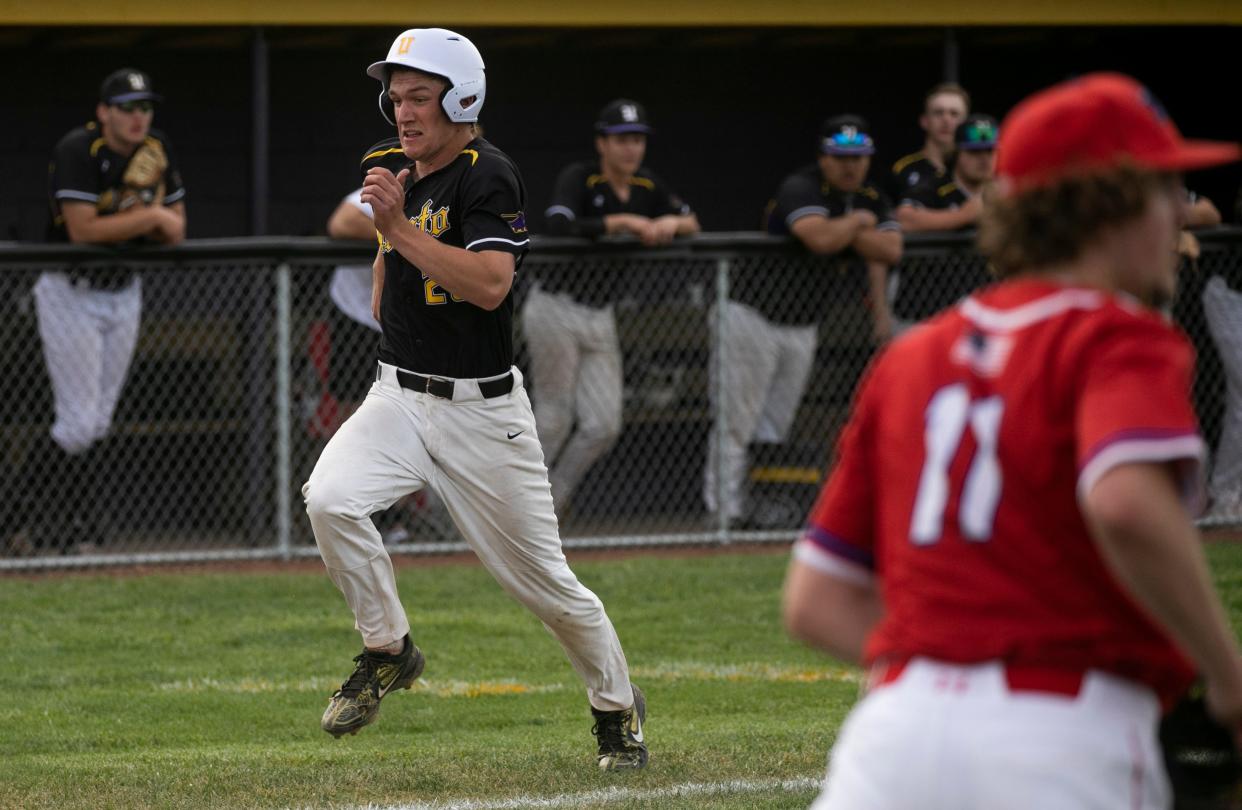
<point x="1096" y="122"/>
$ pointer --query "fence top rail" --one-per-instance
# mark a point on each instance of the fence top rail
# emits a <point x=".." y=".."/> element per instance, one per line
<point x="322" y="249"/>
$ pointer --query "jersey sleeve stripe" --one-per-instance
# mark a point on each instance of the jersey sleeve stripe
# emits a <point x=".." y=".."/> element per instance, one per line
<point x="812" y="555"/>
<point x="560" y="211"/>
<point x="70" y="194"/>
<point x="805" y="211"/>
<point x="174" y="197"/>
<point x="1130" y="447"/>
<point x="498" y="239"/>
<point x="831" y="544"/>
<point x="380" y="153"/>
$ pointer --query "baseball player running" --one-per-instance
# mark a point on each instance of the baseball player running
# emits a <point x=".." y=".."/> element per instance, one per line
<point x="1006" y="537"/>
<point x="112" y="181"/>
<point x="568" y="320"/>
<point x="447" y="409"/>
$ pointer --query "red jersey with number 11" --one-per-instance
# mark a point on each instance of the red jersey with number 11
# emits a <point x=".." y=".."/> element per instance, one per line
<point x="958" y="479"/>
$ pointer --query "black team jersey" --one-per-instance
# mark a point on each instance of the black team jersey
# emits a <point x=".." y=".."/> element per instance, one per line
<point x="84" y="169"/>
<point x="787" y="292"/>
<point x="934" y="196"/>
<point x="583" y="197"/>
<point x="580" y="201"/>
<point x="915" y="170"/>
<point x="476" y="202"/>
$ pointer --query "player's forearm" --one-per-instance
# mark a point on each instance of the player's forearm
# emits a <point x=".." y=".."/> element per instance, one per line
<point x="1150" y="545"/>
<point x="120" y="227"/>
<point x="830" y="613"/>
<point x="879" y="246"/>
<point x="687" y="224"/>
<point x="623" y="223"/>
<point x="468" y="275"/>
<point x="912" y="218"/>
<point x="347" y="222"/>
<point x="377" y="284"/>
<point x="826" y="236"/>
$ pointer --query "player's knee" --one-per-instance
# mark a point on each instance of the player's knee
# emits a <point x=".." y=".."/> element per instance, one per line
<point x="73" y="436"/>
<point x="329" y="498"/>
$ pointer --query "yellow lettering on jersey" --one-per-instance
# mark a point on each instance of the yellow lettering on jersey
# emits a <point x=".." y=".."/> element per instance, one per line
<point x="403" y="47"/>
<point x="433" y="223"/>
<point x="433" y="294"/>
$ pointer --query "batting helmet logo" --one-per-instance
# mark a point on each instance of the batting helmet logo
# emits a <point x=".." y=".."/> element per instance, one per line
<point x="442" y="53"/>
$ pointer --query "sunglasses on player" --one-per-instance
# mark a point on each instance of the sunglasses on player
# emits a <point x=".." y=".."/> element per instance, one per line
<point x="135" y="106"/>
<point x="849" y="138"/>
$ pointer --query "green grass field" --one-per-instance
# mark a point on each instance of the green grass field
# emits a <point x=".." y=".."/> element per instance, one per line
<point x="205" y="689"/>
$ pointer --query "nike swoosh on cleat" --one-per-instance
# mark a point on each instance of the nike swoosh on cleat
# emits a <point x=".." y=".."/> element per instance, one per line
<point x="515" y="435"/>
<point x="637" y="733"/>
<point x="384" y="688"/>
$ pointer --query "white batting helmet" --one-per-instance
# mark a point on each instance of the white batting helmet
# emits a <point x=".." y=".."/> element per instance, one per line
<point x="443" y="53"/>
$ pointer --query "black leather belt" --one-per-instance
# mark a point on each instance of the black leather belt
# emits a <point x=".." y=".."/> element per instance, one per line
<point x="444" y="388"/>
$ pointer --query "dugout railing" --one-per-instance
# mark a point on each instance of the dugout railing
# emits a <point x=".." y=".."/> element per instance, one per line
<point x="245" y="366"/>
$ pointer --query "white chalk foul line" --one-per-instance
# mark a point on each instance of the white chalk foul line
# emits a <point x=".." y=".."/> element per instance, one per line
<point x="612" y="794"/>
<point x="669" y="671"/>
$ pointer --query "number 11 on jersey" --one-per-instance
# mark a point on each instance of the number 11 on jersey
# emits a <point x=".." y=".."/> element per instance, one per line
<point x="949" y="412"/>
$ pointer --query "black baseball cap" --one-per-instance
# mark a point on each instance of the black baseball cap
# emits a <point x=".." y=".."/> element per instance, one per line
<point x="846" y="135"/>
<point x="127" y="84"/>
<point x="977" y="132"/>
<point x="622" y="115"/>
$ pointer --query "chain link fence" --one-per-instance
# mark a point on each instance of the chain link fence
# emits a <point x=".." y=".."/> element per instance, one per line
<point x="687" y="395"/>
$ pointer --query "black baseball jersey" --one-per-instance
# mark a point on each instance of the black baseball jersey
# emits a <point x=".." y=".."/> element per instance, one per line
<point x="84" y="169"/>
<point x="476" y="202"/>
<point x="806" y="193"/>
<point x="786" y="292"/>
<point x="580" y="201"/>
<point x="937" y="197"/>
<point x="583" y="197"/>
<point x="913" y="170"/>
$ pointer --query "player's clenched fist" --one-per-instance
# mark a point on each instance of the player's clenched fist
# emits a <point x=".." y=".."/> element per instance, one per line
<point x="386" y="195"/>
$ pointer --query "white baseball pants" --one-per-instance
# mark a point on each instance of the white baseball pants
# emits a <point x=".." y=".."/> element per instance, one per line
<point x="952" y="737"/>
<point x="765" y="374"/>
<point x="1223" y="309"/>
<point x="576" y="359"/>
<point x="482" y="457"/>
<point x="88" y="343"/>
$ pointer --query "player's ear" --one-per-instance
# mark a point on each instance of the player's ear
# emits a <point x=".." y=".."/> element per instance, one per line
<point x="101" y="110"/>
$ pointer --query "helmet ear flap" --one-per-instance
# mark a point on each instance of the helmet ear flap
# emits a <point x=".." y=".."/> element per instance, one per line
<point x="386" y="106"/>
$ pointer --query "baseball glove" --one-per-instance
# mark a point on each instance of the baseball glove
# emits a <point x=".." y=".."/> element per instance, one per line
<point x="146" y="166"/>
<point x="1200" y="755"/>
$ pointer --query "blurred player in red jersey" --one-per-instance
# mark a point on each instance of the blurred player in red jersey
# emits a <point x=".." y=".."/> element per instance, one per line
<point x="1006" y="538"/>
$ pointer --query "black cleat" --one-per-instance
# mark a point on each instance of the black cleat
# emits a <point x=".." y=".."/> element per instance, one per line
<point x="620" y="736"/>
<point x="356" y="703"/>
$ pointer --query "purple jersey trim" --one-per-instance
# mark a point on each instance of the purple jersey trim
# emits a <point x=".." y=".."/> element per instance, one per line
<point x="841" y="548"/>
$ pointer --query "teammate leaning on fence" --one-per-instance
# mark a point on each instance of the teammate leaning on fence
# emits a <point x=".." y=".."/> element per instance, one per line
<point x="955" y="203"/>
<point x="111" y="181"/>
<point x="447" y="409"/>
<point x="771" y="322"/>
<point x="1006" y="536"/>
<point x="568" y="320"/>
